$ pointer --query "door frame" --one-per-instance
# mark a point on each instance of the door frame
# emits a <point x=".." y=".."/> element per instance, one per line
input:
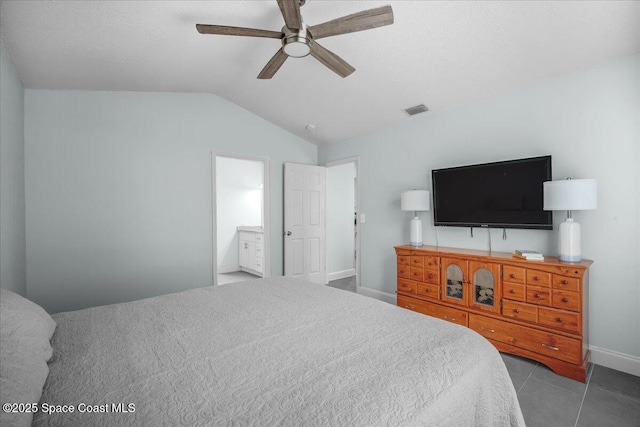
<point x="356" y="161"/>
<point x="266" y="210"/>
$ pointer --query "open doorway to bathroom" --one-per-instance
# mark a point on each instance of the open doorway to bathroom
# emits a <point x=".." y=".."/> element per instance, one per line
<point x="240" y="218"/>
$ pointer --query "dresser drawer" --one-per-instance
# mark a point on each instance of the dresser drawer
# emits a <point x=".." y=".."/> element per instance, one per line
<point x="538" y="278"/>
<point x="513" y="274"/>
<point x="417" y="261"/>
<point x="560" y="319"/>
<point x="566" y="300"/>
<point x="566" y="283"/>
<point x="432" y="263"/>
<point x="548" y="344"/>
<point x="259" y="250"/>
<point x="417" y="273"/>
<point x="404" y="271"/>
<point x="404" y="260"/>
<point x="431" y="276"/>
<point x="513" y="291"/>
<point x="408" y="303"/>
<point x="520" y="311"/>
<point x="538" y="295"/>
<point x="445" y="313"/>
<point x="428" y="290"/>
<point x="407" y="286"/>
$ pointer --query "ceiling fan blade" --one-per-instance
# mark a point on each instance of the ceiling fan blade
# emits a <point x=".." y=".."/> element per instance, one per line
<point x="291" y="13"/>
<point x="273" y="65"/>
<point x="365" y="20"/>
<point x="237" y="31"/>
<point x="331" y="60"/>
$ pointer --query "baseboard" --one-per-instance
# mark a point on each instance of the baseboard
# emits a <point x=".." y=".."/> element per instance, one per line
<point x="341" y="274"/>
<point x="228" y="269"/>
<point x="615" y="360"/>
<point x="379" y="295"/>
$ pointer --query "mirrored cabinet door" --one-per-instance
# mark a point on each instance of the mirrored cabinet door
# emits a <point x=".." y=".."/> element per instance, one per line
<point x="485" y="286"/>
<point x="454" y="278"/>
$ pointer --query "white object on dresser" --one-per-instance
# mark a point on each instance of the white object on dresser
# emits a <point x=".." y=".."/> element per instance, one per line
<point x="417" y="201"/>
<point x="251" y="250"/>
<point x="570" y="195"/>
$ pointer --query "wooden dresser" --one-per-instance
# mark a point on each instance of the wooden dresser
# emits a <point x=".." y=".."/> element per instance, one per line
<point x="535" y="309"/>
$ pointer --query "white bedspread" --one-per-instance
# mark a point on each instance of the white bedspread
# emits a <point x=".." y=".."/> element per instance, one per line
<point x="273" y="352"/>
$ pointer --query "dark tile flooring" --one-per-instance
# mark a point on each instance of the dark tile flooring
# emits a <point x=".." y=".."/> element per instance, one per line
<point x="347" y="284"/>
<point x="610" y="398"/>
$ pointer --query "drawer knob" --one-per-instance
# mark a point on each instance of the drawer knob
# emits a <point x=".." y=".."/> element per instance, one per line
<point x="564" y="282"/>
<point x="513" y="276"/>
<point x="515" y="310"/>
<point x="559" y="319"/>
<point x="487" y="329"/>
<point x="511" y="291"/>
<point x="537" y="295"/>
<point x="536" y="278"/>
<point x="565" y="299"/>
<point x="550" y="347"/>
<point x="430" y="276"/>
<point x="451" y="319"/>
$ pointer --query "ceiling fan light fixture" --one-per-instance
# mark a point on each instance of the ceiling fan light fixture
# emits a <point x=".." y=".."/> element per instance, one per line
<point x="296" y="43"/>
<point x="299" y="40"/>
<point x="296" y="49"/>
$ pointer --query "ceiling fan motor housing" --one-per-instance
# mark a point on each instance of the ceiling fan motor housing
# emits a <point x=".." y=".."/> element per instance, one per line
<point x="295" y="43"/>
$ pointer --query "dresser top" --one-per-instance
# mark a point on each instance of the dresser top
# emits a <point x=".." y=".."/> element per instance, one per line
<point x="502" y="256"/>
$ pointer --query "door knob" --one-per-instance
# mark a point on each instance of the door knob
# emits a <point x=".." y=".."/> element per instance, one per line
<point x="288" y="233"/>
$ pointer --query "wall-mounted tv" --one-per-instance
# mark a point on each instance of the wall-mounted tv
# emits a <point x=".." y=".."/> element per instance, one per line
<point x="504" y="194"/>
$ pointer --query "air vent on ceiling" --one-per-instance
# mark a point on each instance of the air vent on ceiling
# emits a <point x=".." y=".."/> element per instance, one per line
<point x="412" y="111"/>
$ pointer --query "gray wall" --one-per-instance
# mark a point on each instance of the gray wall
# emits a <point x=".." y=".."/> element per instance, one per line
<point x="588" y="122"/>
<point x="12" y="222"/>
<point x="118" y="191"/>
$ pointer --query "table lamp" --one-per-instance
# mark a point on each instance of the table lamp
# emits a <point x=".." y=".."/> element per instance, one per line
<point x="570" y="195"/>
<point x="417" y="201"/>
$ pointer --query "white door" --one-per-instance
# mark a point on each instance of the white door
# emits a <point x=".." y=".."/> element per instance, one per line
<point x="305" y="222"/>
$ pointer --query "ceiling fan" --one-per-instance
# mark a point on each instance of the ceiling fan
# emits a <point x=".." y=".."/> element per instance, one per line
<point x="299" y="40"/>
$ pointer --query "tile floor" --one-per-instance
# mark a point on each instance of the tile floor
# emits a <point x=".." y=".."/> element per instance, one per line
<point x="347" y="284"/>
<point x="610" y="398"/>
<point x="236" y="276"/>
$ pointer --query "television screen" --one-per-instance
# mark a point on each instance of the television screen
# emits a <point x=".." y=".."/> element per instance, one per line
<point x="502" y="195"/>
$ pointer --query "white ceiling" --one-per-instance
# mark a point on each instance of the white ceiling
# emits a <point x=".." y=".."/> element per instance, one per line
<point x="442" y="54"/>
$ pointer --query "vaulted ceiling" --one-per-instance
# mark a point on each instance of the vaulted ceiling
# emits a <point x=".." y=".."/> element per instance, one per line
<point x="443" y="54"/>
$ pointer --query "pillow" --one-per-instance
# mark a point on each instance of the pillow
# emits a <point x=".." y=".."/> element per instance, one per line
<point x="25" y="331"/>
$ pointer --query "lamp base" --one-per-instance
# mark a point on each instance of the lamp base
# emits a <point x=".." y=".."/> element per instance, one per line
<point x="416" y="232"/>
<point x="569" y="241"/>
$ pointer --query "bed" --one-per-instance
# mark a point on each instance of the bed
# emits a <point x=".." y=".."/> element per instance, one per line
<point x="274" y="351"/>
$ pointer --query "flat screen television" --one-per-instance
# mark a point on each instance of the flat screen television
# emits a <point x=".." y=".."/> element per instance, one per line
<point x="504" y="194"/>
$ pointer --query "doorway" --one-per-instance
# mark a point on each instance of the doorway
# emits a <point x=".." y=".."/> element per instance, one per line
<point x="241" y="237"/>
<point x="343" y="225"/>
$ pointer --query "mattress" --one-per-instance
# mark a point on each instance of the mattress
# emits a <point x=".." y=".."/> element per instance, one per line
<point x="274" y="351"/>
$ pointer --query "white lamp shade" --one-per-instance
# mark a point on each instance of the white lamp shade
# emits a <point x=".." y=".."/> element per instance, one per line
<point x="414" y="200"/>
<point x="570" y="195"/>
